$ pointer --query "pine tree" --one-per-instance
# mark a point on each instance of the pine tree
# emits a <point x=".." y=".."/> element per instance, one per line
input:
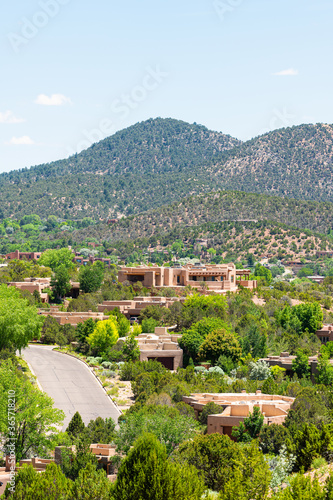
<point x="76" y="425"/>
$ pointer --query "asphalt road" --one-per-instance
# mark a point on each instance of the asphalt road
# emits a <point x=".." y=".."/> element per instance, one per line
<point x="70" y="384"/>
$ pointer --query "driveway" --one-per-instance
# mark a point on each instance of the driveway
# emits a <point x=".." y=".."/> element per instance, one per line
<point x="70" y="384"/>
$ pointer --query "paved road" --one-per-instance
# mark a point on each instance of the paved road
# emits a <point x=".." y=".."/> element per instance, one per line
<point x="70" y="384"/>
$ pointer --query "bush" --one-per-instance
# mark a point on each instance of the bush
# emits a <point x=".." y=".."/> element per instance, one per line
<point x="148" y="325"/>
<point x="259" y="370"/>
<point x="226" y="364"/>
<point x="209" y="409"/>
<point x="273" y="437"/>
<point x="218" y="343"/>
<point x="216" y="369"/>
<point x="130" y="370"/>
<point x="106" y="364"/>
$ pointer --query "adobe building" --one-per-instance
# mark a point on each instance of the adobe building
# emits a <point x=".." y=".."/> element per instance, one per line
<point x="23" y="255"/>
<point x="32" y="285"/>
<point x="84" y="261"/>
<point x="137" y="304"/>
<point x="236" y="407"/>
<point x="71" y="318"/>
<point x="161" y="346"/>
<point x="39" y="284"/>
<point x="285" y="361"/>
<point x="325" y="334"/>
<point x="217" y="278"/>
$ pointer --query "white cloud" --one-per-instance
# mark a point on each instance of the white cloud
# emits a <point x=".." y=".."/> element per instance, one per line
<point x="53" y="100"/>
<point x="9" y="117"/>
<point x="25" y="140"/>
<point x="286" y="72"/>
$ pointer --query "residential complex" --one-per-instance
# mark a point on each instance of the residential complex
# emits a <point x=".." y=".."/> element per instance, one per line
<point x="217" y="278"/>
<point x="161" y="346"/>
<point x="236" y="407"/>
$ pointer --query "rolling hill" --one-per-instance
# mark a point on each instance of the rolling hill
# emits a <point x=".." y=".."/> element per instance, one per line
<point x="159" y="161"/>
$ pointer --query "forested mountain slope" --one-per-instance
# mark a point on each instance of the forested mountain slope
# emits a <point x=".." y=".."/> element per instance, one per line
<point x="158" y="162"/>
<point x="295" y="162"/>
<point x="214" y="208"/>
<point x="143" y="166"/>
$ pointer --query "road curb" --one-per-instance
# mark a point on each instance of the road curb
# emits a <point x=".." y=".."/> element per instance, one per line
<point x="96" y="377"/>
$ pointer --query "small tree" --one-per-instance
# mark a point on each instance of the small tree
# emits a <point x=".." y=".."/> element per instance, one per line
<point x="218" y="343"/>
<point x="91" y="277"/>
<point x="209" y="409"/>
<point x="251" y="427"/>
<point x="131" y="349"/>
<point x="300" y="364"/>
<point x="147" y="474"/>
<point x="104" y="336"/>
<point x="75" y="426"/>
<point x="60" y="283"/>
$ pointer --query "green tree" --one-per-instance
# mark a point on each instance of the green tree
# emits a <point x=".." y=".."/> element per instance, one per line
<point x="131" y="349"/>
<point x="50" y="330"/>
<point x="100" y="431"/>
<point x="31" y="485"/>
<point x="273" y="437"/>
<point x="166" y="423"/>
<point x="72" y="462"/>
<point x="60" y="282"/>
<point x="190" y="342"/>
<point x="251" y="478"/>
<point x="36" y="419"/>
<point x="83" y="330"/>
<point x="19" y="323"/>
<point x="104" y="336"/>
<point x="209" y="305"/>
<point x="218" y="343"/>
<point x="214" y="456"/>
<point x="251" y="427"/>
<point x="18" y="269"/>
<point x="300" y="364"/>
<point x="146" y="474"/>
<point x="305" y="488"/>
<point x="91" y="484"/>
<point x="148" y="325"/>
<point x="56" y="258"/>
<point x="76" y="426"/>
<point x="209" y="409"/>
<point x="91" y="277"/>
<point x="311" y="443"/>
<point x="325" y="371"/>
<point x="263" y="272"/>
<point x="303" y="317"/>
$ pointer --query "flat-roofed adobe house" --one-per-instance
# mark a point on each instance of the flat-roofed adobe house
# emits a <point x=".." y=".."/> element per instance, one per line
<point x="219" y="278"/>
<point x="325" y="334"/>
<point x="236" y="407"/>
<point x="23" y="255"/>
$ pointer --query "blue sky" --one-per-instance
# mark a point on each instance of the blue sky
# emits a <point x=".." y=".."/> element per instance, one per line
<point x="74" y="72"/>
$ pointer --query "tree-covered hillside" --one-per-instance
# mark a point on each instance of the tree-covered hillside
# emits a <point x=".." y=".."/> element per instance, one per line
<point x="214" y="208"/>
<point x="158" y="162"/>
<point x="138" y="168"/>
<point x="295" y="162"/>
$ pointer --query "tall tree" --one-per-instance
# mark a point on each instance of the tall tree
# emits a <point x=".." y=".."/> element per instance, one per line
<point x="19" y="322"/>
<point x="36" y="419"/>
<point x="146" y="474"/>
<point x="91" y="277"/>
<point x="60" y="282"/>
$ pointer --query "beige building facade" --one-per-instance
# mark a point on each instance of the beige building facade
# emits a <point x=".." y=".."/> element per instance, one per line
<point x="235" y="407"/>
<point x="161" y="346"/>
<point x="219" y="278"/>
